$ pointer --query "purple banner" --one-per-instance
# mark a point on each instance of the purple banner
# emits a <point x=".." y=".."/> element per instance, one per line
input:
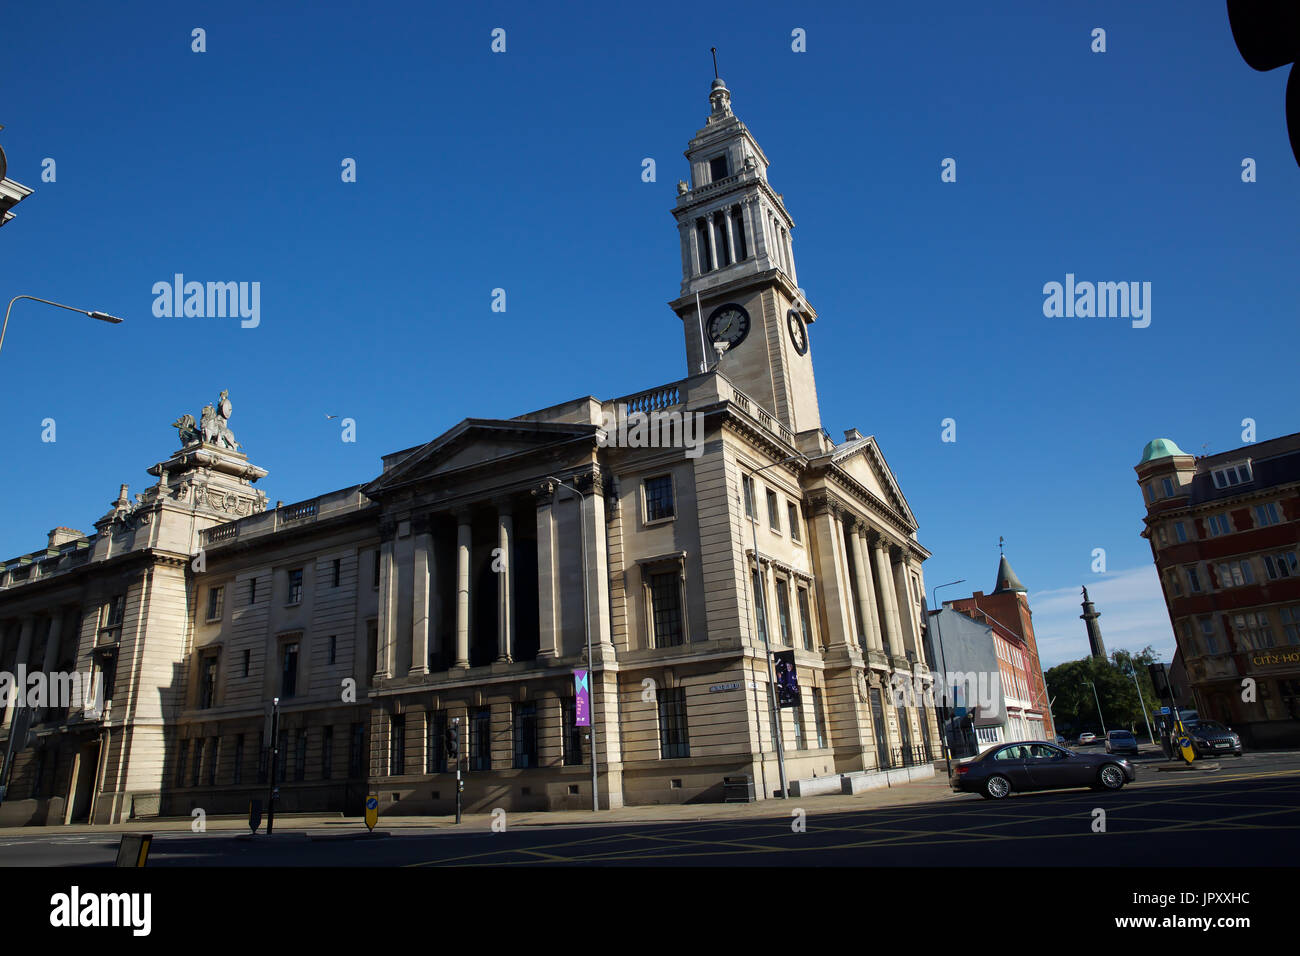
<point x="582" y="693"/>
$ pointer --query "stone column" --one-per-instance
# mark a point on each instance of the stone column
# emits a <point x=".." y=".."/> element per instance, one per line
<point x="906" y="614"/>
<point x="713" y="246"/>
<point x="424" y="587"/>
<point x="832" y="587"/>
<point x="464" y="543"/>
<point x="889" y="603"/>
<point x="548" y="592"/>
<point x="854" y="629"/>
<point x="789" y="251"/>
<point x="866" y="588"/>
<point x="731" y="239"/>
<point x="689" y="256"/>
<point x="24" y="651"/>
<point x="387" y="626"/>
<point x="51" y="660"/>
<point x="505" y="585"/>
<point x="597" y="570"/>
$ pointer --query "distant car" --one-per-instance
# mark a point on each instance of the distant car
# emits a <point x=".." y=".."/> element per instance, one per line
<point x="1210" y="737"/>
<point x="1061" y="741"/>
<point x="1035" y="765"/>
<point x="1121" y="742"/>
<point x="1085" y="739"/>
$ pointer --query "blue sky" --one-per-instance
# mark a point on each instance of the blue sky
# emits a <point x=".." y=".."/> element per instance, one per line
<point x="522" y="171"/>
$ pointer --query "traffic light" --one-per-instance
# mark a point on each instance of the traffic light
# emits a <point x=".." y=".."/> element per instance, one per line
<point x="453" y="743"/>
<point x="1159" y="680"/>
<point x="1267" y="34"/>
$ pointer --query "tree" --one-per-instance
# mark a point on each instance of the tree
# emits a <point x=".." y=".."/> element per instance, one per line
<point x="1070" y="686"/>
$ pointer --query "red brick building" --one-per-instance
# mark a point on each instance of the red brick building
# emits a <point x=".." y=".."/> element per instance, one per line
<point x="1224" y="532"/>
<point x="1008" y="608"/>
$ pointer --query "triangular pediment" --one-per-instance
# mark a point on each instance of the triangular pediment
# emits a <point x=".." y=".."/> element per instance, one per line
<point x="475" y="444"/>
<point x="862" y="460"/>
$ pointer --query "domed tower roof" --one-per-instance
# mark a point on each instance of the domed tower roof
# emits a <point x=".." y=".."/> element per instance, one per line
<point x="1007" y="580"/>
<point x="1160" y="448"/>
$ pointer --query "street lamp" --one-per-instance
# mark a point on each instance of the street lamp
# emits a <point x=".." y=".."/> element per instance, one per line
<point x="101" y="316"/>
<point x="943" y="659"/>
<point x="1100" y="715"/>
<point x="761" y="597"/>
<point x="1133" y="673"/>
<point x="586" y="626"/>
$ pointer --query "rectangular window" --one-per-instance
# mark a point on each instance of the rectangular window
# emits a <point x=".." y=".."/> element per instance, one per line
<point x="1168" y="486"/>
<point x="1267" y="514"/>
<point x="1151" y="493"/>
<point x="1253" y="630"/>
<point x="216" y="597"/>
<point x="795" y="713"/>
<point x="327" y="753"/>
<point x="572" y="733"/>
<point x="480" y="740"/>
<point x="783" y="611"/>
<point x="182" y="752"/>
<point x="525" y="735"/>
<point x="1231" y="475"/>
<point x="374" y="577"/>
<point x="1180" y="532"/>
<point x="207" y="682"/>
<point x="1291" y="623"/>
<point x="659" y="502"/>
<point x="300" y="756"/>
<point x="295" y="586"/>
<point x="289" y="670"/>
<point x="1234" y="574"/>
<point x="396" y="745"/>
<point x="197" y="767"/>
<point x="747" y="483"/>
<point x="666" y="608"/>
<point x="252" y="590"/>
<point x="248" y="660"/>
<point x="1218" y="525"/>
<point x="674" y="737"/>
<point x="338" y="571"/>
<point x="773" y="511"/>
<point x="1164" y="538"/>
<point x="356" y="751"/>
<point x="435" y="747"/>
<point x="1193" y="580"/>
<point x="760" y="611"/>
<point x="718" y="168"/>
<point x="114" y="611"/>
<point x="792" y="515"/>
<point x="1211" y="638"/>
<point x="334" y="649"/>
<point x="805" y="620"/>
<point x="819" y="717"/>
<point x="239" y="760"/>
<point x="1280" y="565"/>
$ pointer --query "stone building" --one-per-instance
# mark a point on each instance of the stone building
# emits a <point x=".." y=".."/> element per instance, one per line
<point x="1224" y="532"/>
<point x="461" y="584"/>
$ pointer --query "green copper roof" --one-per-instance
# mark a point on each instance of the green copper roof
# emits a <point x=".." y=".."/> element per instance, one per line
<point x="1160" y="448"/>
<point x="1007" y="580"/>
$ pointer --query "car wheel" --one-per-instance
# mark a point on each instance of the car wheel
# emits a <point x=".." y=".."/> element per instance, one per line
<point x="1110" y="777"/>
<point x="996" y="787"/>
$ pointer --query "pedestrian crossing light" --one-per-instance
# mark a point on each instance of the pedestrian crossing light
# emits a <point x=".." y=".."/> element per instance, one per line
<point x="1267" y="34"/>
<point x="453" y="742"/>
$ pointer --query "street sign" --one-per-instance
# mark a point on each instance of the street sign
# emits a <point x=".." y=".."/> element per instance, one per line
<point x="582" y="693"/>
<point x="1163" y="711"/>
<point x="1185" y="745"/>
<point x="372" y="810"/>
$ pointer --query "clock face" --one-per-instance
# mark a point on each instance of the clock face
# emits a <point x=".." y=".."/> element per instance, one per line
<point x="729" y="323"/>
<point x="798" y="331"/>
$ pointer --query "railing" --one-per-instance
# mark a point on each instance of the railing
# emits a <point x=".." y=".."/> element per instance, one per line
<point x="910" y="756"/>
<point x="222" y="532"/>
<point x="665" y="396"/>
<point x="755" y="411"/>
<point x="300" y="512"/>
<point x="713" y="187"/>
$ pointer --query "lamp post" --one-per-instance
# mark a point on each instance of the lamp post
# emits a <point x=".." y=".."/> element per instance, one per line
<point x="1100" y="715"/>
<point x="1133" y="673"/>
<point x="761" y="597"/>
<point x="586" y="626"/>
<point x="101" y="316"/>
<point x="943" y="658"/>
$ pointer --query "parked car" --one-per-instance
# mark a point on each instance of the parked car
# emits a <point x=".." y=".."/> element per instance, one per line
<point x="1085" y="739"/>
<point x="1211" y="737"/>
<point x="1035" y="765"/>
<point x="1121" y="742"/>
<point x="1061" y="741"/>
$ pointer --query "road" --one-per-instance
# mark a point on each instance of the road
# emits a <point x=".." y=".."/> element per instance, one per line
<point x="1247" y="814"/>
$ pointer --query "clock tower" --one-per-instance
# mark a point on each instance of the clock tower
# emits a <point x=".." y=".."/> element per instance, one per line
<point x="739" y="283"/>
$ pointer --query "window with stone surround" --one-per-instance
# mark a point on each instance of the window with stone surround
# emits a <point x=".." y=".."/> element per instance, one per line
<point x="572" y="735"/>
<point x="295" y="586"/>
<point x="773" y="511"/>
<point x="659" y="503"/>
<point x="1281" y="564"/>
<point x="792" y="514"/>
<point x="207" y="680"/>
<point x="216" y="597"/>
<point x="783" y="611"/>
<point x="480" y="739"/>
<point x="805" y="619"/>
<point x="674" y="736"/>
<point x="525" y="735"/>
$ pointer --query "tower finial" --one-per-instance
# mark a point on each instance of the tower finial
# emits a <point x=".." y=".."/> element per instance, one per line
<point x="714" y="51"/>
<point x="1000" y="543"/>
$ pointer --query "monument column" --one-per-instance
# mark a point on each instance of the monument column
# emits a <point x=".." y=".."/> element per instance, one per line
<point x="464" y="543"/>
<point x="597" y="569"/>
<point x="387" y="600"/>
